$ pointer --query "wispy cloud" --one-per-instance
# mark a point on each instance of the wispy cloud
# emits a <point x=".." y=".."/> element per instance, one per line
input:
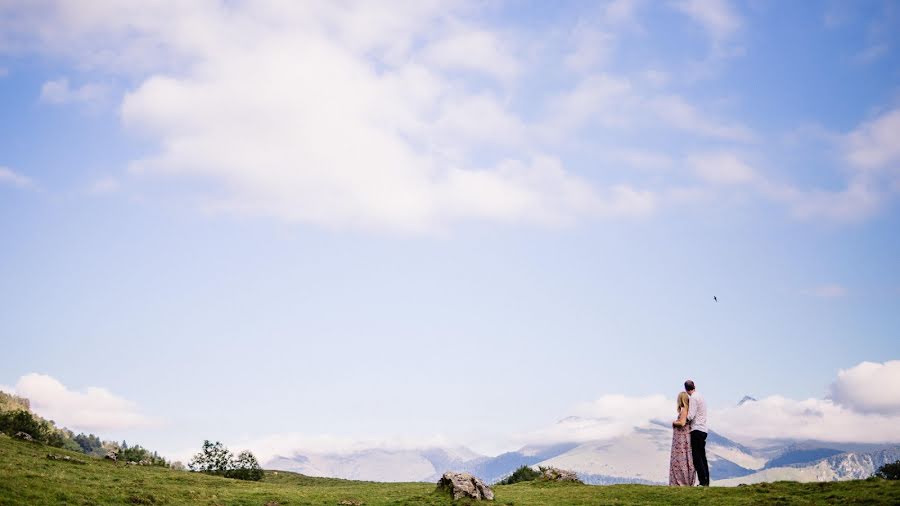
<point x="831" y="290"/>
<point x="103" y="185"/>
<point x="721" y="168"/>
<point x="9" y="176"/>
<point x="718" y="17"/>
<point x="872" y="53"/>
<point x="59" y="92"/>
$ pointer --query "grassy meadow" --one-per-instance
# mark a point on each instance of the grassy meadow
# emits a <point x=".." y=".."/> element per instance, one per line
<point x="29" y="477"/>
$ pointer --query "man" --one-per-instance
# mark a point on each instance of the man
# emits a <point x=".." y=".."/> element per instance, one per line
<point x="697" y="418"/>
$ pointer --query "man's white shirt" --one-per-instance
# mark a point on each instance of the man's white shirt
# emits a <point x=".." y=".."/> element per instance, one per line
<point x="697" y="413"/>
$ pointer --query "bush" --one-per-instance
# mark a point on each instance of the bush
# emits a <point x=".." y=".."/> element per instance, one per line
<point x="524" y="473"/>
<point x="245" y="467"/>
<point x="23" y="421"/>
<point x="89" y="444"/>
<point x="889" y="471"/>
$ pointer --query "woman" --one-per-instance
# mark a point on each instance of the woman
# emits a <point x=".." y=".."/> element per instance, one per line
<point x="681" y="464"/>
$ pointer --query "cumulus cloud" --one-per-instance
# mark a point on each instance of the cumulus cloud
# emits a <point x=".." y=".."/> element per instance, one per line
<point x="340" y="115"/>
<point x="869" y="387"/>
<point x="777" y="417"/>
<point x="59" y="92"/>
<point x="9" y="176"/>
<point x="474" y="50"/>
<point x="92" y="409"/>
<point x="721" y="168"/>
<point x="349" y="115"/>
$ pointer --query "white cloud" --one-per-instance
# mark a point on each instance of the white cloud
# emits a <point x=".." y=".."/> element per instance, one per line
<point x="592" y="48"/>
<point x="640" y="159"/>
<point x="598" y="98"/>
<point x="721" y="168"/>
<point x="875" y="144"/>
<point x="869" y="387"/>
<point x="677" y="112"/>
<point x="831" y="290"/>
<point x="716" y="16"/>
<point x="852" y="204"/>
<point x="9" y="176"/>
<point x="777" y="417"/>
<point x="59" y="92"/>
<point x="337" y="115"/>
<point x="93" y="409"/>
<point x="864" y="407"/>
<point x="474" y="50"/>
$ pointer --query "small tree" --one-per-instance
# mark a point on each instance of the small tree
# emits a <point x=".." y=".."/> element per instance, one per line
<point x="89" y="443"/>
<point x="213" y="458"/>
<point x="245" y="467"/>
<point x="889" y="471"/>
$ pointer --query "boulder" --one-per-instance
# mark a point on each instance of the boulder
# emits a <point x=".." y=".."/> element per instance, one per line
<point x="65" y="458"/>
<point x="112" y="455"/>
<point x="24" y="436"/>
<point x="554" y="474"/>
<point x="464" y="485"/>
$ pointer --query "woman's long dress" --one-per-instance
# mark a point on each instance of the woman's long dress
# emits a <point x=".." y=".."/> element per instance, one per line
<point x="681" y="463"/>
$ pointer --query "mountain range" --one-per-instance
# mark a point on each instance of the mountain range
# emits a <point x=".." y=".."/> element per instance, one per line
<point x="639" y="456"/>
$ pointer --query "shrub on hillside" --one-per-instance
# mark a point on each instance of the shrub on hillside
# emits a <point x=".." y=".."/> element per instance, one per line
<point x="20" y="420"/>
<point x="889" y="471"/>
<point x="524" y="473"/>
<point x="141" y="455"/>
<point x="89" y="444"/>
<point x="245" y="467"/>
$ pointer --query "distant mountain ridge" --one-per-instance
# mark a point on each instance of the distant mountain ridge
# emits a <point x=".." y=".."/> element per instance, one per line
<point x="640" y="456"/>
<point x="852" y="465"/>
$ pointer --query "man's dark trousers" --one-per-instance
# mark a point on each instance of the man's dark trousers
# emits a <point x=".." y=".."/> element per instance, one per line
<point x="698" y="451"/>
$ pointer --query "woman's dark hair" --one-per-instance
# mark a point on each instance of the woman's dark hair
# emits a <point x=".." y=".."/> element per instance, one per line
<point x="689" y="385"/>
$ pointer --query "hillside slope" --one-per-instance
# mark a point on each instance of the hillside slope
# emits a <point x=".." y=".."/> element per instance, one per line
<point x="28" y="477"/>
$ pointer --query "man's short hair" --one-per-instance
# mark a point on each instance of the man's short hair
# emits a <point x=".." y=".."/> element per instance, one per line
<point x="689" y="385"/>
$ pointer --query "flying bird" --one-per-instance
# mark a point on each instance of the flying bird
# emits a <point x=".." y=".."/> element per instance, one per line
<point x="715" y="299"/>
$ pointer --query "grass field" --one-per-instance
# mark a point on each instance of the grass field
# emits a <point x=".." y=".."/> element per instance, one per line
<point x="28" y="477"/>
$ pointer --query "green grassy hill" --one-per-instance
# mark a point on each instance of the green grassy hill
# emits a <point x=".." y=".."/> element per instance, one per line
<point x="29" y="477"/>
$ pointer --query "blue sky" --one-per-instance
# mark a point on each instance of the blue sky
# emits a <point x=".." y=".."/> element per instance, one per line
<point x="236" y="220"/>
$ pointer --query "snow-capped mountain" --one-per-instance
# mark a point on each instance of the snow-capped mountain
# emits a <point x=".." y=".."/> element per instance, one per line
<point x="851" y="465"/>
<point x="639" y="456"/>
<point x="642" y="456"/>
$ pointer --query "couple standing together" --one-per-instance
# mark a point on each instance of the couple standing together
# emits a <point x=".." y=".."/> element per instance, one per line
<point x="687" y="465"/>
